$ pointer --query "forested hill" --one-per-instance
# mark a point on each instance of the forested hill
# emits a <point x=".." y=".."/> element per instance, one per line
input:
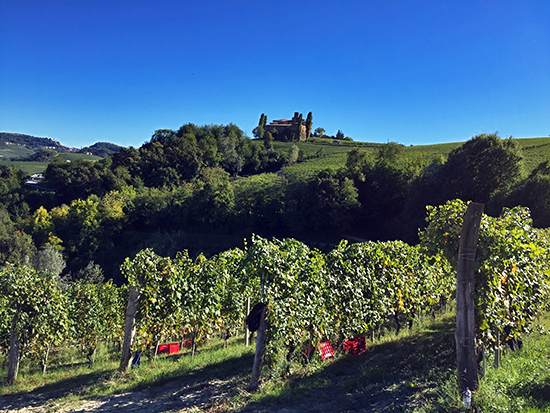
<point x="29" y="141"/>
<point x="102" y="149"/>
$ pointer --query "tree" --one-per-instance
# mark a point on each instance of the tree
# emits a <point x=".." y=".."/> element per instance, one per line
<point x="90" y="274"/>
<point x="390" y="152"/>
<point x="49" y="262"/>
<point x="534" y="192"/>
<point x="299" y="133"/>
<point x="481" y="167"/>
<point x="268" y="141"/>
<point x="356" y="164"/>
<point x="339" y="135"/>
<point x="232" y="162"/>
<point x="293" y="154"/>
<point x="15" y="245"/>
<point x="319" y="132"/>
<point x="309" y="124"/>
<point x="40" y="226"/>
<point x="258" y="132"/>
<point x="213" y="197"/>
<point x="326" y="201"/>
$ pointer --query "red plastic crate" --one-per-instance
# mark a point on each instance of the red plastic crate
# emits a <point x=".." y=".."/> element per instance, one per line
<point x="170" y="348"/>
<point x="325" y="349"/>
<point x="355" y="345"/>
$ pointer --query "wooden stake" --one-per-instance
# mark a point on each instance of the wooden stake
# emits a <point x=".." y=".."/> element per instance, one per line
<point x="498" y="353"/>
<point x="130" y="329"/>
<point x="45" y="362"/>
<point x="13" y="366"/>
<point x="246" y="332"/>
<point x="465" y="327"/>
<point x="260" y="350"/>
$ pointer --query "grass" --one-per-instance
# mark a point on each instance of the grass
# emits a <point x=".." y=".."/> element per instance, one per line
<point x="11" y="151"/>
<point x="414" y="371"/>
<point x="70" y="373"/>
<point x="29" y="167"/>
<point x="522" y="383"/>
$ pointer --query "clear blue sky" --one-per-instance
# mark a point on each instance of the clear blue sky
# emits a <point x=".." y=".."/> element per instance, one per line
<point x="410" y="71"/>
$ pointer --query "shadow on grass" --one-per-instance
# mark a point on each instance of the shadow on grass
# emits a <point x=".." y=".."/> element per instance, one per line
<point x="230" y="367"/>
<point x="52" y="391"/>
<point x="538" y="393"/>
<point x="389" y="376"/>
<point x="153" y="385"/>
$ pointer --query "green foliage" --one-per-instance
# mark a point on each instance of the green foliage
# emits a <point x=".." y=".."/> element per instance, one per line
<point x="309" y="124"/>
<point x="12" y="197"/>
<point x="390" y="152"/>
<point x="534" y="191"/>
<point x="15" y="245"/>
<point x="322" y="202"/>
<point x="81" y="178"/>
<point x="259" y="202"/>
<point x="268" y="141"/>
<point x="369" y="282"/>
<point x="357" y="162"/>
<point x="90" y="274"/>
<point x="158" y="285"/>
<point x="487" y="165"/>
<point x="319" y="131"/>
<point x="512" y="271"/>
<point x="231" y="287"/>
<point x="258" y="132"/>
<point x="292" y="284"/>
<point x="212" y="198"/>
<point x="180" y="294"/>
<point x="35" y="307"/>
<point x="49" y="262"/>
<point x="293" y="154"/>
<point x="95" y="314"/>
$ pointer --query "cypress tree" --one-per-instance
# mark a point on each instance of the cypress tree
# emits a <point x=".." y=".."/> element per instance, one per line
<point x="309" y="124"/>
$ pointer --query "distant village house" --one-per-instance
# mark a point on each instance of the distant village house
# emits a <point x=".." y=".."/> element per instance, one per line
<point x="288" y="129"/>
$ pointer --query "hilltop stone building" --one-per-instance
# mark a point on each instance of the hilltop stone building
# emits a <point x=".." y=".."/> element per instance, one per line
<point x="288" y="129"/>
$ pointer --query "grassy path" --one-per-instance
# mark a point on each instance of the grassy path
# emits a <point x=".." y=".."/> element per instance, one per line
<point x="414" y="372"/>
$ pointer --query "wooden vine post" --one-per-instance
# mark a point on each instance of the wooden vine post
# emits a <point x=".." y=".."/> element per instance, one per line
<point x="130" y="328"/>
<point x="465" y="325"/>
<point x="246" y="332"/>
<point x="14" y="355"/>
<point x="260" y="350"/>
<point x="260" y="345"/>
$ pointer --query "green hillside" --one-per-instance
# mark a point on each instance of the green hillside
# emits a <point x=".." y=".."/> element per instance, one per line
<point x="333" y="156"/>
<point x="38" y="167"/>
<point x="535" y="151"/>
<point x="8" y="151"/>
<point x="71" y="156"/>
<point x="319" y="154"/>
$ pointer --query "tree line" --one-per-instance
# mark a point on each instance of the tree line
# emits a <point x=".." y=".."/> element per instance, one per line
<point x="191" y="181"/>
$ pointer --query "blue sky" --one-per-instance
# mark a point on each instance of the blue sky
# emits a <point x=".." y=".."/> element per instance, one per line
<point x="413" y="72"/>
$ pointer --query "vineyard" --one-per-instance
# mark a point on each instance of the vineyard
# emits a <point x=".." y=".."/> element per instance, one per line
<point x="353" y="290"/>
